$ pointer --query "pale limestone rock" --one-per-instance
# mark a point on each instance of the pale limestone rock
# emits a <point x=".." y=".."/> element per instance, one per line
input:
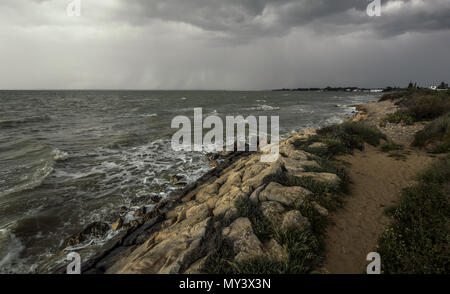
<point x="233" y="180"/>
<point x="328" y="178"/>
<point x="294" y="220"/>
<point x="288" y="196"/>
<point x="254" y="198"/>
<point x="273" y="211"/>
<point x="207" y="192"/>
<point x="318" y="145"/>
<point x="290" y="152"/>
<point x="320" y="209"/>
<point x="273" y="250"/>
<point x="200" y="211"/>
<point x="245" y="242"/>
<point x="272" y="169"/>
<point x="254" y="170"/>
<point x="118" y="224"/>
<point x="229" y="200"/>
<point x="167" y="251"/>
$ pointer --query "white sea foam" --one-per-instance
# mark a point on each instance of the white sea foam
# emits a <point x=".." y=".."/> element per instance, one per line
<point x="10" y="249"/>
<point x="265" y="107"/>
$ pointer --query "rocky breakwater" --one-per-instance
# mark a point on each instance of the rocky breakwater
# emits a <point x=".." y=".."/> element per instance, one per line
<point x="184" y="237"/>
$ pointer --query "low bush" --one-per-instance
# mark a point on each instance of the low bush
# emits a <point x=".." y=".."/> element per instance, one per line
<point x="394" y="95"/>
<point x="341" y="139"/>
<point x="418" y="242"/>
<point x="398" y="117"/>
<point x="437" y="133"/>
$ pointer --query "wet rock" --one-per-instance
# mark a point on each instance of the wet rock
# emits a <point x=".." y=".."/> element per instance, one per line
<point x="140" y="212"/>
<point x="134" y="223"/>
<point x="118" y="224"/>
<point x="180" y="184"/>
<point x="294" y="220"/>
<point x="289" y="196"/>
<point x="175" y="179"/>
<point x="155" y="198"/>
<point x="97" y="229"/>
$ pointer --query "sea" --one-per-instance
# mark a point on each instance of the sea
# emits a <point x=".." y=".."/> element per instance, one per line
<point x="71" y="158"/>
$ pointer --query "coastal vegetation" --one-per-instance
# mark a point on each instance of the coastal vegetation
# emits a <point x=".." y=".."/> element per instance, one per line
<point x="418" y="105"/>
<point x="341" y="139"/>
<point x="418" y="241"/>
<point x="436" y="135"/>
<point x="303" y="245"/>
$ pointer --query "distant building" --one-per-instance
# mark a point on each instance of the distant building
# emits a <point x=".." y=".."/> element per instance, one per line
<point x="433" y="87"/>
<point x="376" y="90"/>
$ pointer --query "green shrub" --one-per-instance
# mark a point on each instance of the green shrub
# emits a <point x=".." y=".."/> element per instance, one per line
<point x="398" y="117"/>
<point x="394" y="95"/>
<point x="437" y="132"/>
<point x="418" y="241"/>
<point x="341" y="139"/>
<point x="420" y="104"/>
<point x="302" y="248"/>
<point x="326" y="166"/>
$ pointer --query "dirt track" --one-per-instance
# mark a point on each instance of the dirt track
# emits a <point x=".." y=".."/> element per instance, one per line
<point x="377" y="181"/>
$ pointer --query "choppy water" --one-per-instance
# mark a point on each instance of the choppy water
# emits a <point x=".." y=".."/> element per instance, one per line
<point x="69" y="158"/>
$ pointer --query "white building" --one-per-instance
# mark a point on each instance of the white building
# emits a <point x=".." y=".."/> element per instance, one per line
<point x="433" y="87"/>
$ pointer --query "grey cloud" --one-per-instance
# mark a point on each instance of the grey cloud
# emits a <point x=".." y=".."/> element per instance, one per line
<point x="260" y="18"/>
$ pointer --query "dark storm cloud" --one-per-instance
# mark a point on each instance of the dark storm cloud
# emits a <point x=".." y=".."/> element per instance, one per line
<point x="259" y="18"/>
<point x="222" y="44"/>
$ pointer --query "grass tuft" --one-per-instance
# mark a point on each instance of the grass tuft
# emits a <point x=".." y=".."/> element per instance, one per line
<point x="436" y="134"/>
<point x="341" y="139"/>
<point x="418" y="241"/>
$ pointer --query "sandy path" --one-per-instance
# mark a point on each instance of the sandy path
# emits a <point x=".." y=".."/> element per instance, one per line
<point x="377" y="182"/>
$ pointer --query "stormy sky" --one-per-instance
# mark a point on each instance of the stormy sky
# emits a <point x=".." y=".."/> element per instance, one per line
<point x="222" y="44"/>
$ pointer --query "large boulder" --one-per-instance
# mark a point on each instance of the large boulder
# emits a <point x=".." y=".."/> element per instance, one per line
<point x="289" y="196"/>
<point x="294" y="220"/>
<point x="254" y="197"/>
<point x="273" y="211"/>
<point x="169" y="251"/>
<point x="229" y="201"/>
<point x="258" y="179"/>
<point x="327" y="178"/>
<point x="243" y="240"/>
